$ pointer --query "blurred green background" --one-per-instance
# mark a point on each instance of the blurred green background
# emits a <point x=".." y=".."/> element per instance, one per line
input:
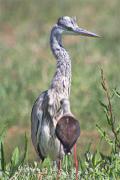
<point x="27" y="64"/>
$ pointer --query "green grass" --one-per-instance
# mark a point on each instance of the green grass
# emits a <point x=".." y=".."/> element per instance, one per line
<point x="27" y="65"/>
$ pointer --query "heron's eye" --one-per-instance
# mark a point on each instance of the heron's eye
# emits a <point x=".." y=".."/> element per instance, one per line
<point x="69" y="29"/>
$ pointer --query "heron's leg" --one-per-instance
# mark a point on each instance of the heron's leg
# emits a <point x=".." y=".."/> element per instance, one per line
<point x="76" y="161"/>
<point x="59" y="163"/>
<point x="55" y="165"/>
<point x="59" y="168"/>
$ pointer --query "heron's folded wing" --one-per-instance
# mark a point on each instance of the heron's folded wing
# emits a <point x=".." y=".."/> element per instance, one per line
<point x="36" y="119"/>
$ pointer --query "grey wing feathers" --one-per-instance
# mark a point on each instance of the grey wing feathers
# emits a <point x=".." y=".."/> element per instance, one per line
<point x="36" y="121"/>
<point x="46" y="111"/>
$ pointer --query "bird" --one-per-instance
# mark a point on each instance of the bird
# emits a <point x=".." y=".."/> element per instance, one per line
<point x="51" y="115"/>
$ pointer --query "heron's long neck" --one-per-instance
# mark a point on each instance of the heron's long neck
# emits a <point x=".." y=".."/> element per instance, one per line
<point x="62" y="77"/>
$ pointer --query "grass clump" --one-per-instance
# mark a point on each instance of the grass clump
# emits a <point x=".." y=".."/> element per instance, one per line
<point x="8" y="169"/>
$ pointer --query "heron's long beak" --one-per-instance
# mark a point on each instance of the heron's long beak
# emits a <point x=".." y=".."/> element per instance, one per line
<point x="83" y="32"/>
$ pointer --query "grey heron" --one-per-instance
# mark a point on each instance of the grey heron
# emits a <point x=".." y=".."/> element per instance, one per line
<point x="53" y="104"/>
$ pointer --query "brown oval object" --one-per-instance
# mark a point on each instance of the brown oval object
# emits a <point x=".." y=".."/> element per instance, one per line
<point x="68" y="131"/>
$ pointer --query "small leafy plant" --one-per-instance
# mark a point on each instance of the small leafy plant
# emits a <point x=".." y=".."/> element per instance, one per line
<point x="7" y="170"/>
<point x="113" y="141"/>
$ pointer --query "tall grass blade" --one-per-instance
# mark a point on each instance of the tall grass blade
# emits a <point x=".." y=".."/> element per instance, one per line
<point x="16" y="161"/>
<point x="2" y="158"/>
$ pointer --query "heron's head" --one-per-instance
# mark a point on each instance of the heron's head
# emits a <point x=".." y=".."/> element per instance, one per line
<point x="69" y="25"/>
